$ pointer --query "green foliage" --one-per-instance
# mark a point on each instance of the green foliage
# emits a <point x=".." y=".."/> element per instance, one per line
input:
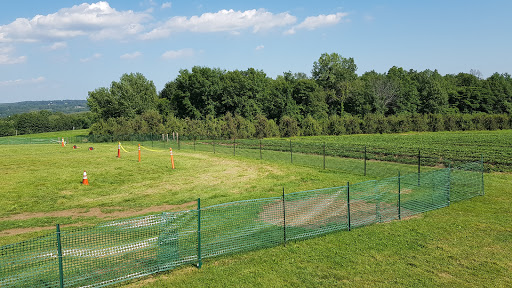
<point x="310" y="127"/>
<point x="43" y="121"/>
<point x="132" y="95"/>
<point x="289" y="127"/>
<point x="334" y="100"/>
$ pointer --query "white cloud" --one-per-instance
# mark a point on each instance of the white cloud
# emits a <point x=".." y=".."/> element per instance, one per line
<point x="96" y="20"/>
<point x="93" y="57"/>
<point x="22" y="81"/>
<point x="176" y="54"/>
<point x="166" y="5"/>
<point x="57" y="46"/>
<point x="131" y="55"/>
<point x="7" y="58"/>
<point x="222" y="21"/>
<point x="314" y="22"/>
<point x="260" y="47"/>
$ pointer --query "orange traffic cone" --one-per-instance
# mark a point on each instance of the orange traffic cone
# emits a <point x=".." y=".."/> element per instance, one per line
<point x="85" y="181"/>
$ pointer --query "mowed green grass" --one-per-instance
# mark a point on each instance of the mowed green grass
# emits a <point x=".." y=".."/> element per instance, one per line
<point x="468" y="244"/>
<point x="45" y="178"/>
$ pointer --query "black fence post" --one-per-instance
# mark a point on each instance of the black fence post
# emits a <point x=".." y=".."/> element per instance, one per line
<point x="324" y="155"/>
<point x="365" y="160"/>
<point x="482" y="169"/>
<point x="284" y="220"/>
<point x="234" y="146"/>
<point x="348" y="206"/>
<point x="199" y="259"/>
<point x="194" y="144"/>
<point x="419" y="166"/>
<point x="449" y="182"/>
<point x="213" y="144"/>
<point x="59" y="253"/>
<point x="291" y="152"/>
<point x="399" y="204"/>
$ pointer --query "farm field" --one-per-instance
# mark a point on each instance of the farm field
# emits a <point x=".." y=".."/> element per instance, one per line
<point x="465" y="245"/>
<point x="437" y="148"/>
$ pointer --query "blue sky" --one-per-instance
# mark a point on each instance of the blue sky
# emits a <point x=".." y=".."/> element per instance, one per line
<point x="56" y="50"/>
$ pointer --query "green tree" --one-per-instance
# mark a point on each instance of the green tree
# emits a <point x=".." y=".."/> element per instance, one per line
<point x="132" y="95"/>
<point x="334" y="73"/>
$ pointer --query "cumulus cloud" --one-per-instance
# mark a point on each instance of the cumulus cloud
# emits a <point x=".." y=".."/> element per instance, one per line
<point x="222" y="21"/>
<point x="166" y="5"/>
<point x="57" y="46"/>
<point x="260" y="47"/>
<point x="96" y="20"/>
<point x="176" y="54"/>
<point x="7" y="58"/>
<point x="131" y="55"/>
<point x="314" y="22"/>
<point x="89" y="59"/>
<point x="22" y="81"/>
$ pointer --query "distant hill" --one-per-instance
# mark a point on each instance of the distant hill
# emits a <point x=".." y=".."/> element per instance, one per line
<point x="64" y="106"/>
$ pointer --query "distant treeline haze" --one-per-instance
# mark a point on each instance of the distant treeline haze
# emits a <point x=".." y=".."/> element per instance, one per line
<point x="215" y="103"/>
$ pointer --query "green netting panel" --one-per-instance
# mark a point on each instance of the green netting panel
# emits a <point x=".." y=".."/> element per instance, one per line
<point x="427" y="192"/>
<point x="177" y="243"/>
<point x="32" y="263"/>
<point x="241" y="226"/>
<point x="111" y="252"/>
<point x="387" y="195"/>
<point x="367" y="205"/>
<point x="316" y="212"/>
<point x="466" y="181"/>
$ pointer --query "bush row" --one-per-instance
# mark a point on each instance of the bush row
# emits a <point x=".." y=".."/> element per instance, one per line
<point x="235" y="126"/>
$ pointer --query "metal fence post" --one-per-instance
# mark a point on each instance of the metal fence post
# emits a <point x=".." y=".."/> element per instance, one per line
<point x="449" y="182"/>
<point x="59" y="253"/>
<point x="324" y="155"/>
<point x="399" y="204"/>
<point x="234" y="146"/>
<point x="348" y="205"/>
<point x="364" y="160"/>
<point x="284" y="220"/>
<point x="194" y="144"/>
<point x="291" y="153"/>
<point x="199" y="259"/>
<point x="419" y="165"/>
<point x="213" y="143"/>
<point x="482" y="168"/>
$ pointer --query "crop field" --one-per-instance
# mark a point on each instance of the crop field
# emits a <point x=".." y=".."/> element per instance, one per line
<point x="434" y="148"/>
<point x="465" y="245"/>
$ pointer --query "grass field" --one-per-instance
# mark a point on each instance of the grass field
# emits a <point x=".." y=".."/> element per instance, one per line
<point x="467" y="244"/>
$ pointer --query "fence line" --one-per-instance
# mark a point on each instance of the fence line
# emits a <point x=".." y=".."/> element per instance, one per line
<point x="120" y="250"/>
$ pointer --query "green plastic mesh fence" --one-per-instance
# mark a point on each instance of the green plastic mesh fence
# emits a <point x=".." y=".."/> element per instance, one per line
<point x="127" y="249"/>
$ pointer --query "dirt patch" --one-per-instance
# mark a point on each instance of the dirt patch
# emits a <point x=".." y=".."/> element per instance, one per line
<point x="105" y="212"/>
<point x="313" y="213"/>
<point x="17" y="231"/>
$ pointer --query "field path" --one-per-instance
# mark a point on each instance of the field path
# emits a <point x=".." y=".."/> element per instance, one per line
<point x="86" y="212"/>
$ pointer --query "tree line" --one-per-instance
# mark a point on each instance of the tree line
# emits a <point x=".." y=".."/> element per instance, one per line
<point x="334" y="100"/>
<point x="211" y="102"/>
<point x="44" y="121"/>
